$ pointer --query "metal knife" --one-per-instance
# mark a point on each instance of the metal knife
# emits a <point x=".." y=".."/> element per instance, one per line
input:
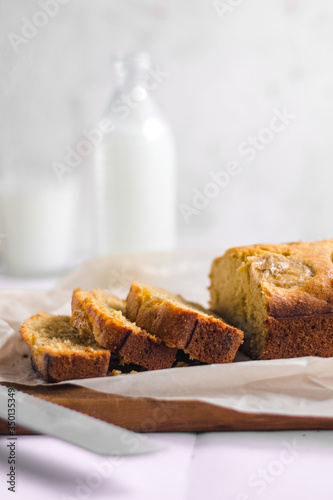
<point x="72" y="426"/>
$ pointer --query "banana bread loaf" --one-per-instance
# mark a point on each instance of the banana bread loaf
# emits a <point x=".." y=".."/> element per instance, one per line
<point x="280" y="295"/>
<point x="181" y="324"/>
<point x="102" y="315"/>
<point x="59" y="352"/>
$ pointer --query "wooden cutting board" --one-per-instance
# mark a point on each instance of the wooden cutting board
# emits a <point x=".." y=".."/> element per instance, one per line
<point x="150" y="415"/>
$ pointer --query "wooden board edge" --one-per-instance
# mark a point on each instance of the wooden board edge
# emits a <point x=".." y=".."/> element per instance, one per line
<point x="151" y="415"/>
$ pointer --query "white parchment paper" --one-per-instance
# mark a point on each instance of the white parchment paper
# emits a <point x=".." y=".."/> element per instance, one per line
<point x="302" y="386"/>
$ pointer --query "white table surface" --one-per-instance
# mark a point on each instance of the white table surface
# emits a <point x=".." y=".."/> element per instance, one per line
<point x="220" y="465"/>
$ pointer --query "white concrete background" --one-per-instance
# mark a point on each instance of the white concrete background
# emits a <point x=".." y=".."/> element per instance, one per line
<point x="226" y="76"/>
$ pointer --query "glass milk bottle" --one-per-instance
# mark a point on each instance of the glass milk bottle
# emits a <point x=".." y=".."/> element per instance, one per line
<point x="134" y="166"/>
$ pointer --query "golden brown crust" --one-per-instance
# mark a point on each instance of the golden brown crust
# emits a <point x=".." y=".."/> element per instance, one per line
<point x="148" y="351"/>
<point x="58" y="367"/>
<point x="102" y="317"/>
<point x="178" y="324"/>
<point x="313" y="296"/>
<point x="91" y="315"/>
<point x="166" y="319"/>
<point x="298" y="336"/>
<point x="55" y="356"/>
<point x="213" y="341"/>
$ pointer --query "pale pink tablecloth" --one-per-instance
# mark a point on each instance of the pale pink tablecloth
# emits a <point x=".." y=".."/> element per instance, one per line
<point x="216" y="466"/>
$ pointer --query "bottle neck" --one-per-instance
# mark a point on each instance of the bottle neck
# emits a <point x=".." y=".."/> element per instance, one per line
<point x="131" y="97"/>
<point x="130" y="71"/>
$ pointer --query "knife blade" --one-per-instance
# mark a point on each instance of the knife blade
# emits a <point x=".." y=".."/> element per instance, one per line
<point x="72" y="426"/>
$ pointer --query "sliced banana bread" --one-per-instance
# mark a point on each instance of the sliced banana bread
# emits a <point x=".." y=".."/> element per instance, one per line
<point x="184" y="325"/>
<point x="102" y="315"/>
<point x="59" y="352"/>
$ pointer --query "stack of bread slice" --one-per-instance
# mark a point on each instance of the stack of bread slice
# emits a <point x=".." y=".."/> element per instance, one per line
<point x="148" y="330"/>
<point x="279" y="298"/>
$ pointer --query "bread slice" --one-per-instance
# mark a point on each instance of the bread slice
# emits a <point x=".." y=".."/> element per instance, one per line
<point x="182" y="324"/>
<point x="280" y="295"/>
<point x="59" y="352"/>
<point x="102" y="315"/>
